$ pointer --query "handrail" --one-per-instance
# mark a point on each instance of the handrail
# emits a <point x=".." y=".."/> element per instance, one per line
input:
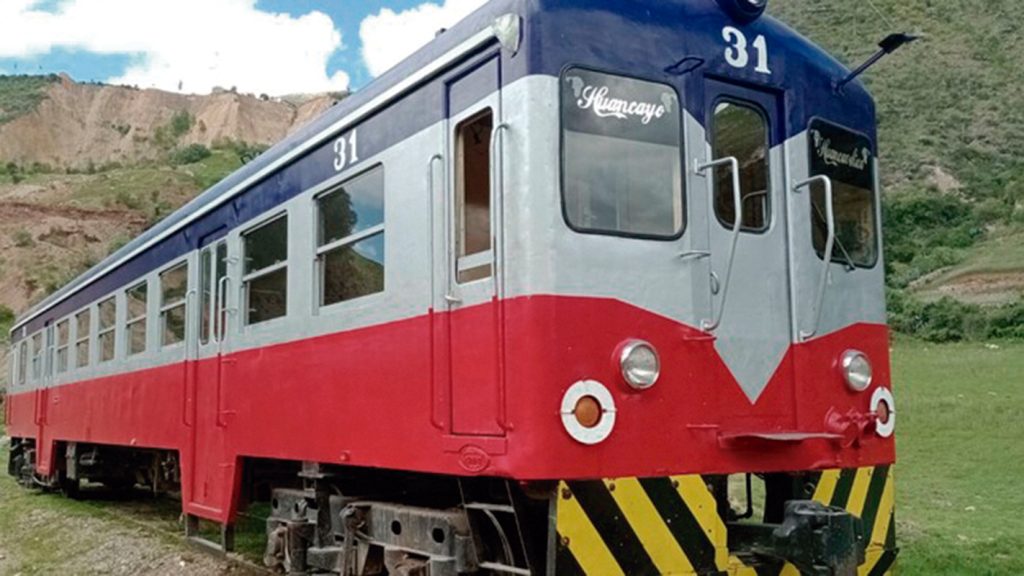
<point x="737" y="198"/>
<point x="497" y="201"/>
<point x="830" y="221"/>
<point x="220" y="308"/>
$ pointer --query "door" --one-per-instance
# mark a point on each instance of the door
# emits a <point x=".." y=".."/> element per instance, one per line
<point x="751" y="307"/>
<point x="473" y="237"/>
<point x="204" y="412"/>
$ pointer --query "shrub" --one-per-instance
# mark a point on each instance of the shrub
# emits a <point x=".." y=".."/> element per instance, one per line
<point x="181" y="123"/>
<point x="23" y="239"/>
<point x="190" y="154"/>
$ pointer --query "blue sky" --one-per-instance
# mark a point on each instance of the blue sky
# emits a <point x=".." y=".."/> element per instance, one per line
<point x="273" y="46"/>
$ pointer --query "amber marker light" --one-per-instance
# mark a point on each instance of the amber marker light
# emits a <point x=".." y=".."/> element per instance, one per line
<point x="588" y="412"/>
<point x="883" y="406"/>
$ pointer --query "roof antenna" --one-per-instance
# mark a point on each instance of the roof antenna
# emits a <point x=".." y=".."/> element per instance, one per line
<point x="892" y="43"/>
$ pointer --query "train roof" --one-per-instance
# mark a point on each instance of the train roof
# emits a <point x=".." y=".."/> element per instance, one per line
<point x="556" y="40"/>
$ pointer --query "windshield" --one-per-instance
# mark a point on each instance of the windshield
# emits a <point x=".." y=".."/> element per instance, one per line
<point x="846" y="158"/>
<point x="621" y="154"/>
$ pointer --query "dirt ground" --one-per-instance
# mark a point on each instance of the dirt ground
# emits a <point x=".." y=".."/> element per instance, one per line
<point x="44" y="534"/>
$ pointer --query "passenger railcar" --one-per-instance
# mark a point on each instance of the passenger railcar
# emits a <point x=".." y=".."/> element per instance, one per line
<point x="524" y="305"/>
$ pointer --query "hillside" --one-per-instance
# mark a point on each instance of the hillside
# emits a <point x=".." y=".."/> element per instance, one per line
<point x="85" y="167"/>
<point x="951" y="116"/>
<point x="57" y="123"/>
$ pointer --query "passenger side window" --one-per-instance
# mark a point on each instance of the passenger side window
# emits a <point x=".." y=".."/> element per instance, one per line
<point x="37" y="356"/>
<point x="107" y="324"/>
<point x="83" y="326"/>
<point x="135" y="328"/>
<point x="741" y="130"/>
<point x="173" y="293"/>
<point x="265" y="278"/>
<point x="351" y="239"/>
<point x="474" y="256"/>
<point x="22" y="363"/>
<point x="63" y="339"/>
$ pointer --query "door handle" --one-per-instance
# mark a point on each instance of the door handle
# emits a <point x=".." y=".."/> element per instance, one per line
<point x="830" y="221"/>
<point x="737" y="199"/>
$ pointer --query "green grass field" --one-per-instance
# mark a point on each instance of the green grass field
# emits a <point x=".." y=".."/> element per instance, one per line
<point x="960" y="493"/>
<point x="960" y="437"/>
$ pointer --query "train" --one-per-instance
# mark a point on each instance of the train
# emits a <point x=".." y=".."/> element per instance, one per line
<point x="580" y="287"/>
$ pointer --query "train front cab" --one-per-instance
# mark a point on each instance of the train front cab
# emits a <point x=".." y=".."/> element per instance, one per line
<point x="712" y="166"/>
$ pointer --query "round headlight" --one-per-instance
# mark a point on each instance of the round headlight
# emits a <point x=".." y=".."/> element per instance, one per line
<point x="640" y="364"/>
<point x="744" y="10"/>
<point x="856" y="370"/>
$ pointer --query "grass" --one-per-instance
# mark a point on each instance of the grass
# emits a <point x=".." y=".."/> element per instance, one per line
<point x="961" y="452"/>
<point x="1001" y="252"/>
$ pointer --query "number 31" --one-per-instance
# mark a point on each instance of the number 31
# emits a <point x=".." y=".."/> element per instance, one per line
<point x="346" y="151"/>
<point x="737" y="55"/>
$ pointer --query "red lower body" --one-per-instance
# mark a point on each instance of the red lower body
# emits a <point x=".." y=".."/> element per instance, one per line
<point x="387" y="397"/>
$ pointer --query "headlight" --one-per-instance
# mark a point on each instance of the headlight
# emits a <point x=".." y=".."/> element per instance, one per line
<point x="640" y="364"/>
<point x="856" y="370"/>
<point x="744" y="10"/>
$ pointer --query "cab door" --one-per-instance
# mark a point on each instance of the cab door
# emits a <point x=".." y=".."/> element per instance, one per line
<point x="751" y="309"/>
<point x="473" y="231"/>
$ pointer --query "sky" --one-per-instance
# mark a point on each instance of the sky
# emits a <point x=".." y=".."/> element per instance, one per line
<point x="274" y="47"/>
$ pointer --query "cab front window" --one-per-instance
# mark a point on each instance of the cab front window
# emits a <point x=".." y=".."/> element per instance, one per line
<point x="847" y="159"/>
<point x="621" y="155"/>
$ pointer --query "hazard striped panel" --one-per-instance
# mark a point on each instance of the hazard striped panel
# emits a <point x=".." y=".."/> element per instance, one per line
<point x="671" y="526"/>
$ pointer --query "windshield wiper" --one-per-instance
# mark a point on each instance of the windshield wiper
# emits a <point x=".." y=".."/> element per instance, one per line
<point x="847" y="259"/>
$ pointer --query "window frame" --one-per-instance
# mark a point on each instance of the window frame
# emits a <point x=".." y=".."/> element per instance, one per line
<point x="104" y="331"/>
<point x="38" y="349"/>
<point x="247" y="279"/>
<point x="876" y="195"/>
<point x="713" y="141"/>
<point x="80" y="339"/>
<point x="321" y="252"/>
<point x="684" y="184"/>
<point x="130" y="322"/>
<point x="167" y="307"/>
<point x="22" y="361"/>
<point x="63" y="349"/>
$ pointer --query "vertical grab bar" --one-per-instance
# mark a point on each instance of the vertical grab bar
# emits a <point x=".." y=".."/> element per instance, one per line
<point x="737" y="228"/>
<point x="830" y="222"/>
<point x="430" y="202"/>
<point x="222" y="298"/>
<point x="497" y="204"/>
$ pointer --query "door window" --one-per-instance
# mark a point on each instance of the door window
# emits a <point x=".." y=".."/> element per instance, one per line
<point x="473" y="198"/>
<point x="740" y="130"/>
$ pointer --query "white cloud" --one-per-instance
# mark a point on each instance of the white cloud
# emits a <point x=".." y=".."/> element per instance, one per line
<point x="388" y="37"/>
<point x="197" y="44"/>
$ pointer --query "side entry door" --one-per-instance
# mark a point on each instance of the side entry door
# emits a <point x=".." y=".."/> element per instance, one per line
<point x="204" y="412"/>
<point x="474" y="232"/>
<point x="750" y="314"/>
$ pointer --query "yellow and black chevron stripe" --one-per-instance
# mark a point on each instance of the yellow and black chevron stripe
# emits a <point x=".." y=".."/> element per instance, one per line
<point x="671" y="526"/>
